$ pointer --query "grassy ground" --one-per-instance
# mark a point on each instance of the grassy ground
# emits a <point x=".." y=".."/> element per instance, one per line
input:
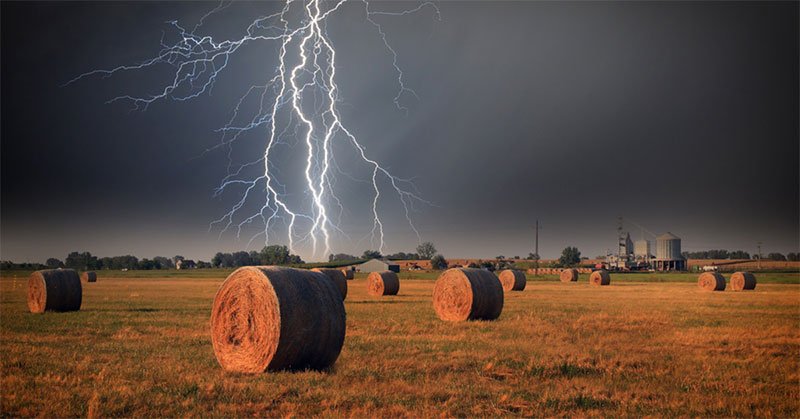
<point x="141" y="347"/>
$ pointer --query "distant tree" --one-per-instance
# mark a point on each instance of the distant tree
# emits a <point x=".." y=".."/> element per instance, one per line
<point x="438" y="262"/>
<point x="147" y="264"/>
<point x="278" y="255"/>
<point x="106" y="262"/>
<point x="473" y="265"/>
<point x="570" y="256"/>
<point x="501" y="257"/>
<point x="188" y="264"/>
<point x="176" y="258"/>
<point x="426" y="250"/>
<point x="54" y="263"/>
<point x="533" y="256"/>
<point x="203" y="265"/>
<point x="794" y="257"/>
<point x="739" y="254"/>
<point x="516" y="257"/>
<point x="341" y="257"/>
<point x="162" y="262"/>
<point x="82" y="261"/>
<point x="403" y="256"/>
<point x="222" y="260"/>
<point x="216" y="261"/>
<point x="242" y="258"/>
<point x="371" y="254"/>
<point x="776" y="256"/>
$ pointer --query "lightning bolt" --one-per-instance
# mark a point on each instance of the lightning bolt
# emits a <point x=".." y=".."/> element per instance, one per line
<point x="297" y="106"/>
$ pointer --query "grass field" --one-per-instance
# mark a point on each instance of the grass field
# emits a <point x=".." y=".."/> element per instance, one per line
<point x="646" y="345"/>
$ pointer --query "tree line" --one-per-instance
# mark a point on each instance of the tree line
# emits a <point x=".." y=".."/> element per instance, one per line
<point x="424" y="251"/>
<point x="269" y="255"/>
<point x="738" y="254"/>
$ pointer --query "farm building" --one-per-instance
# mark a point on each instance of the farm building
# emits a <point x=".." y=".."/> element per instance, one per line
<point x="668" y="253"/>
<point x="378" y="265"/>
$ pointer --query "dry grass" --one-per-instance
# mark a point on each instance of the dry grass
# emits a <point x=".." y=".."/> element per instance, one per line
<point x="141" y="347"/>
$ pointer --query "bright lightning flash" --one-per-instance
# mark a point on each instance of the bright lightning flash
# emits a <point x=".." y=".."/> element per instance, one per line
<point x="299" y="100"/>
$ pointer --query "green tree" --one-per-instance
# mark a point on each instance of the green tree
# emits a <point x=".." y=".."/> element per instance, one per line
<point x="426" y="250"/>
<point x="739" y="254"/>
<point x="776" y="256"/>
<point x="81" y="261"/>
<point x="371" y="254"/>
<point x="242" y="258"/>
<point x="54" y="263"/>
<point x="278" y="254"/>
<point x="162" y="262"/>
<point x="438" y="262"/>
<point x="570" y="256"/>
<point x="341" y="256"/>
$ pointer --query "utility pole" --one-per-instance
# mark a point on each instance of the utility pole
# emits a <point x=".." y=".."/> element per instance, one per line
<point x="536" y="250"/>
<point x="759" y="256"/>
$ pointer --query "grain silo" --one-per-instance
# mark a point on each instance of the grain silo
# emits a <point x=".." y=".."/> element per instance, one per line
<point x="641" y="249"/>
<point x="668" y="253"/>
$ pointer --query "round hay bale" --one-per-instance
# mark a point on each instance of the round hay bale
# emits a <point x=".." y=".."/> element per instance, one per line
<point x="600" y="277"/>
<point x="569" y="275"/>
<point x="711" y="281"/>
<point x="54" y="290"/>
<point x="89" y="276"/>
<point x="337" y="277"/>
<point x="383" y="283"/>
<point x="467" y="294"/>
<point x="512" y="280"/>
<point x="743" y="281"/>
<point x="348" y="273"/>
<point x="275" y="318"/>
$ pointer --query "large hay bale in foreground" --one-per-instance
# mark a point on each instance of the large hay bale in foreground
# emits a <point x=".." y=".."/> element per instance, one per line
<point x="743" y="281"/>
<point x="711" y="281"/>
<point x="275" y="318"/>
<point x="89" y="276"/>
<point x="383" y="283"/>
<point x="337" y="277"/>
<point x="348" y="273"/>
<point x="600" y="277"/>
<point x="467" y="294"/>
<point x="568" y="275"/>
<point x="54" y="290"/>
<point x="512" y="280"/>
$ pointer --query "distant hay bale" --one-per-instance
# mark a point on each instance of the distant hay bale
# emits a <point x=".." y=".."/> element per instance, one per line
<point x="275" y="318"/>
<point x="569" y="275"/>
<point x="54" y="290"/>
<point x="89" y="276"/>
<point x="348" y="273"/>
<point x="383" y="283"/>
<point x="337" y="277"/>
<point x="467" y="294"/>
<point x="711" y="281"/>
<point x="743" y="281"/>
<point x="600" y="277"/>
<point x="512" y="280"/>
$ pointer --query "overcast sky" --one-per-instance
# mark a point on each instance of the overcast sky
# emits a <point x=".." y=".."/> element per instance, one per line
<point x="678" y="116"/>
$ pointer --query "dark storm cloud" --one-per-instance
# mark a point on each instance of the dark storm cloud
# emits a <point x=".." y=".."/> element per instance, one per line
<point x="680" y="116"/>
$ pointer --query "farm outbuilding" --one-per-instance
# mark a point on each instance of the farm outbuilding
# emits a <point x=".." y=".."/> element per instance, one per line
<point x="378" y="265"/>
